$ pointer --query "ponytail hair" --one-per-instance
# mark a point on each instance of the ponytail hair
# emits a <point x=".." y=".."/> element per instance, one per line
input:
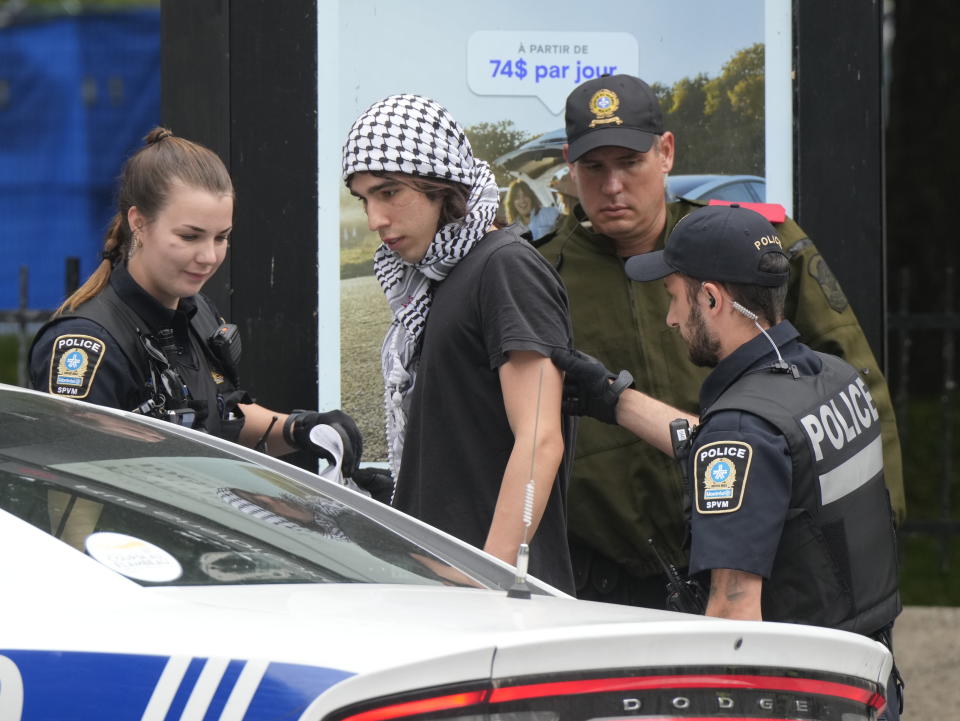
<point x="146" y="181"/>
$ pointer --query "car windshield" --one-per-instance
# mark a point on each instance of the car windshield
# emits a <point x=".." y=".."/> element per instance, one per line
<point x="163" y="508"/>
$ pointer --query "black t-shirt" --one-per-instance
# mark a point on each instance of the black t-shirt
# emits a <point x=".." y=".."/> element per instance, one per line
<point x="502" y="297"/>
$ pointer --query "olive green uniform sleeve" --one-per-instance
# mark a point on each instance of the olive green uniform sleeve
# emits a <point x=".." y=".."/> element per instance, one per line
<point x="818" y="308"/>
<point x="622" y="490"/>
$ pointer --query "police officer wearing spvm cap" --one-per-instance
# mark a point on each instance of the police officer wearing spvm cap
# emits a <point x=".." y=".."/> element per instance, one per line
<point x="620" y="151"/>
<point x="139" y="335"/>
<point x="788" y="512"/>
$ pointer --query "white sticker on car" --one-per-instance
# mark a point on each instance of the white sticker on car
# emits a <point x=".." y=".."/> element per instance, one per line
<point x="133" y="557"/>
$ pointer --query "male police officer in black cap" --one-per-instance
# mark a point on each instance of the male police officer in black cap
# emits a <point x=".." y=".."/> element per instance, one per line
<point x="622" y="492"/>
<point x="789" y="513"/>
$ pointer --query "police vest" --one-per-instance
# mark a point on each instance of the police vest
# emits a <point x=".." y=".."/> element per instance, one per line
<point x="836" y="565"/>
<point x="108" y="310"/>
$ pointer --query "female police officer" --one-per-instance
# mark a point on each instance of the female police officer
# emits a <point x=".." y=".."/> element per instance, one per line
<point x="138" y="335"/>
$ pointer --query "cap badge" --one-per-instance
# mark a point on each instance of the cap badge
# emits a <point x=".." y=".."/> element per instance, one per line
<point x="604" y="104"/>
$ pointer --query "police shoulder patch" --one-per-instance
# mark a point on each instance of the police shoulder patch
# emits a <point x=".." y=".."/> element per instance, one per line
<point x="74" y="363"/>
<point x="720" y="471"/>
<point x="828" y="282"/>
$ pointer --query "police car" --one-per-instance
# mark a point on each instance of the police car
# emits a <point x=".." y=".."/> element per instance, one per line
<point x="154" y="573"/>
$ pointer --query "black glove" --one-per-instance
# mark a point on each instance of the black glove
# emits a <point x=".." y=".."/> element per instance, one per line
<point x="589" y="389"/>
<point x="378" y="482"/>
<point x="296" y="432"/>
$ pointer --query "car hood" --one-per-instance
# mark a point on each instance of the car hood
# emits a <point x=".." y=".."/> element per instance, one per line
<point x="358" y="641"/>
<point x="363" y="628"/>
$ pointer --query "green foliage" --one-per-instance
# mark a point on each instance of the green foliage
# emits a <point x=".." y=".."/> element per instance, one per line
<point x="928" y="574"/>
<point x="8" y="359"/>
<point x="364" y="318"/>
<point x="491" y="140"/>
<point x="740" y="87"/>
<point x="929" y="562"/>
<point x="719" y="122"/>
<point x="926" y="454"/>
<point x="356" y="259"/>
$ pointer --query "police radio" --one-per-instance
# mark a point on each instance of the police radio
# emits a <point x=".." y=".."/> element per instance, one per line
<point x="683" y="594"/>
<point x="680" y="439"/>
<point x="224" y="342"/>
<point x="170" y="399"/>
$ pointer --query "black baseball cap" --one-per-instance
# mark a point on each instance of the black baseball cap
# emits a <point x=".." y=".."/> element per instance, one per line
<point x="717" y="242"/>
<point x="612" y="110"/>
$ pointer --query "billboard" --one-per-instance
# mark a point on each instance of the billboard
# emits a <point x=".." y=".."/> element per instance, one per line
<point x="504" y="69"/>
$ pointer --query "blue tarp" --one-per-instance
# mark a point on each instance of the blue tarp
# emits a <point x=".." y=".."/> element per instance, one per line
<point x="77" y="95"/>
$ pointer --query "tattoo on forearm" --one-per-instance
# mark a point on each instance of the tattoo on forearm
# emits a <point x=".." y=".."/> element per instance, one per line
<point x="734" y="590"/>
<point x="729" y="587"/>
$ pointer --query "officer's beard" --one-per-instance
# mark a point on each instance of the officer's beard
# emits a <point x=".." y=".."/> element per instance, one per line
<point x="704" y="349"/>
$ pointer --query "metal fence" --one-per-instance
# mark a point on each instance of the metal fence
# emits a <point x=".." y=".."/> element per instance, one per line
<point x="903" y="326"/>
<point x="23" y="318"/>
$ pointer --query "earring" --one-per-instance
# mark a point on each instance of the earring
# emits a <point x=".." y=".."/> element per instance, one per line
<point x="135" y="244"/>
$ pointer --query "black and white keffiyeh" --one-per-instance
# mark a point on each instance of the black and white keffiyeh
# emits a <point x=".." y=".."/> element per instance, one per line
<point x="324" y="512"/>
<point x="414" y="135"/>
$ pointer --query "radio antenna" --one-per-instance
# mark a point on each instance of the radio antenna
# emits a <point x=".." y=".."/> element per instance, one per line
<point x="520" y="589"/>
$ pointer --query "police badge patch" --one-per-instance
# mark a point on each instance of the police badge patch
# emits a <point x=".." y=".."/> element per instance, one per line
<point x="821" y="272"/>
<point x="720" y="471"/>
<point x="604" y="104"/>
<point x="74" y="363"/>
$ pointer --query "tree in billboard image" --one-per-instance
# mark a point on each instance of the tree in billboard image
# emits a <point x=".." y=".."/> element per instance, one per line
<point x="719" y="122"/>
<point x="491" y="140"/>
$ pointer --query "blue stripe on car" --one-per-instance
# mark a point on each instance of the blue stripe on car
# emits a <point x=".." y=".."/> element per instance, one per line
<point x="83" y="686"/>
